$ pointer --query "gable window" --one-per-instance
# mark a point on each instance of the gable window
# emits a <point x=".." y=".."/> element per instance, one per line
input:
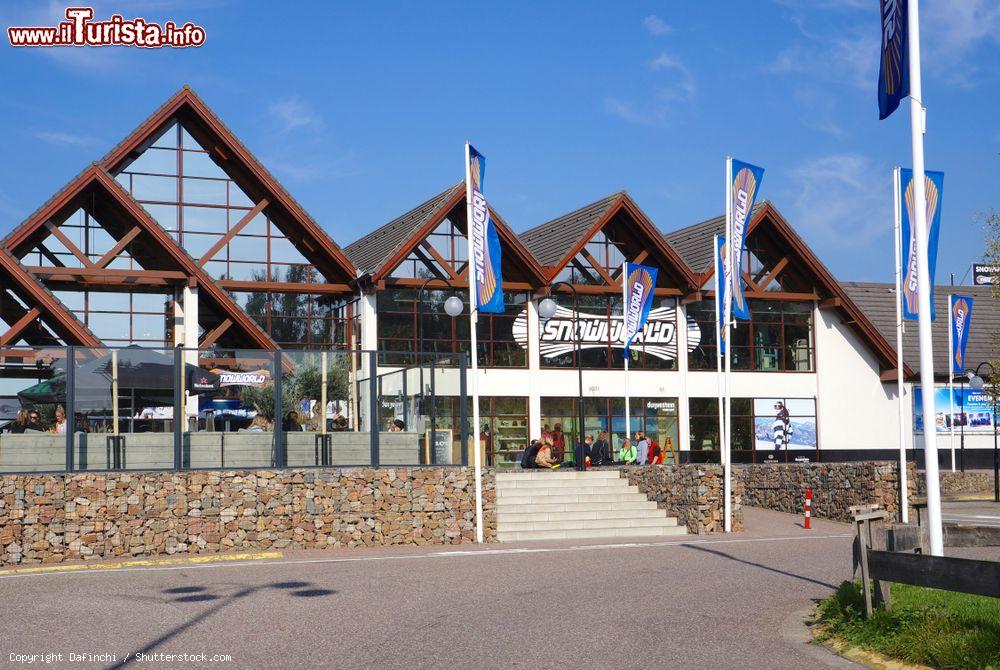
<point x="778" y="337"/>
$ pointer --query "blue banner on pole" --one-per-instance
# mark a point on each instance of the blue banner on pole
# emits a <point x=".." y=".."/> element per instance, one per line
<point x="745" y="186"/>
<point x="894" y="69"/>
<point x="482" y="232"/>
<point x="640" y="282"/>
<point x="934" y="192"/>
<point x="961" y="322"/>
<point x="722" y="301"/>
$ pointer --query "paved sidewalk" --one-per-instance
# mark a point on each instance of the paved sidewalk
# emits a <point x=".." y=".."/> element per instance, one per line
<point x="696" y="602"/>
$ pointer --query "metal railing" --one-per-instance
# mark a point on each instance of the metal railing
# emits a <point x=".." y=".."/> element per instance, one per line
<point x="134" y="408"/>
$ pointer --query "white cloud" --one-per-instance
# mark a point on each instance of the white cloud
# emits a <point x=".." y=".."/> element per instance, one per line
<point x="675" y="86"/>
<point x="64" y="139"/>
<point x="846" y="59"/>
<point x="842" y="200"/>
<point x="655" y="26"/>
<point x="293" y="113"/>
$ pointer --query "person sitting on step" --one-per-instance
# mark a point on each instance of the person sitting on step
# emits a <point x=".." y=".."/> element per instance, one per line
<point x="544" y="458"/>
<point x="627" y="454"/>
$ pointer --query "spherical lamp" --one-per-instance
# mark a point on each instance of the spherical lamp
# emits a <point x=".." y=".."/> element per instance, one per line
<point x="547" y="308"/>
<point x="453" y="306"/>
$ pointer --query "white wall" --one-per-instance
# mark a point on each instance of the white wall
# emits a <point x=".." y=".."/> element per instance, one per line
<point x="855" y="409"/>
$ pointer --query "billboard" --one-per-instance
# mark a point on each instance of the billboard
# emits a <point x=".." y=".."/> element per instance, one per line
<point x="973" y="411"/>
<point x="784" y="423"/>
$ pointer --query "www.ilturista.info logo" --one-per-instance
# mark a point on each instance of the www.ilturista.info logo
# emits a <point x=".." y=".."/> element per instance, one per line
<point x="80" y="30"/>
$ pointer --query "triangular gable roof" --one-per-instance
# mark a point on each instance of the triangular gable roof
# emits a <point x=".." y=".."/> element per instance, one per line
<point x="23" y="236"/>
<point x="53" y="312"/>
<point x="382" y="250"/>
<point x="555" y="243"/>
<point x="236" y="160"/>
<point x="694" y="243"/>
<point x="878" y="301"/>
<point x="697" y="241"/>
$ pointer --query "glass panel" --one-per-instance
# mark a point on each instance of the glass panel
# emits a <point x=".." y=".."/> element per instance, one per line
<point x="207" y="191"/>
<point x="162" y="189"/>
<point x="199" y="164"/>
<point x="32" y="388"/>
<point x="123" y="402"/>
<point x="205" y="220"/>
<point x="155" y="161"/>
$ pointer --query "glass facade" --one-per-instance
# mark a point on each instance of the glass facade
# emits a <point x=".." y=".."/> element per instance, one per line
<point x="657" y="417"/>
<point x="777" y="338"/>
<point x="764" y="429"/>
<point x="400" y="318"/>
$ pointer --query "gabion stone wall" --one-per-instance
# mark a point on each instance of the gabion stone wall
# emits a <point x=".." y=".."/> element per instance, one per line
<point x="691" y="492"/>
<point x="48" y="518"/>
<point x="835" y="486"/>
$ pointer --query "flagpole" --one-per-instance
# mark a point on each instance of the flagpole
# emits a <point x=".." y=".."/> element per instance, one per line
<point x="897" y="239"/>
<point x="951" y="383"/>
<point x="727" y="313"/>
<point x="718" y="349"/>
<point x="628" y="398"/>
<point x="935" y="531"/>
<point x="474" y="348"/>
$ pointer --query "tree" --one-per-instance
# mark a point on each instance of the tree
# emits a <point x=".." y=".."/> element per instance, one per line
<point x="306" y="383"/>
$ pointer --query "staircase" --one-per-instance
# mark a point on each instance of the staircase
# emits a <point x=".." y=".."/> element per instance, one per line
<point x="555" y="505"/>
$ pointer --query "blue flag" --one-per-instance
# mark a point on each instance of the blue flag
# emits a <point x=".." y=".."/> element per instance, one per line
<point x="934" y="193"/>
<point x="722" y="301"/>
<point x="744" y="189"/>
<point x="640" y="280"/>
<point x="485" y="243"/>
<point x="961" y="322"/>
<point x="894" y="69"/>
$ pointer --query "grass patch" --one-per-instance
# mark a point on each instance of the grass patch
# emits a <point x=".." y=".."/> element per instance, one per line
<point x="940" y="629"/>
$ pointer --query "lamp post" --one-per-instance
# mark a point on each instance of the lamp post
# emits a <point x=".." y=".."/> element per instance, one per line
<point x="453" y="306"/>
<point x="967" y="375"/>
<point x="547" y="309"/>
<point x="978" y="382"/>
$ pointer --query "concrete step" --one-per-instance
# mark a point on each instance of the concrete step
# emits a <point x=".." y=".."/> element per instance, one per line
<point x="598" y="482"/>
<point x="568" y="489"/>
<point x="590" y="524"/>
<point x="527" y="475"/>
<point x="530" y="514"/>
<point x="569" y="497"/>
<point x="571" y="508"/>
<point x="587" y="533"/>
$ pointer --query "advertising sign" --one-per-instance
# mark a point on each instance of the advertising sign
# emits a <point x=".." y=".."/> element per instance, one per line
<point x="934" y="193"/>
<point x="638" y="287"/>
<point x="744" y="189"/>
<point x="973" y="410"/>
<point x="984" y="275"/>
<point x="784" y="423"/>
<point x="658" y="335"/>
<point x="484" y="238"/>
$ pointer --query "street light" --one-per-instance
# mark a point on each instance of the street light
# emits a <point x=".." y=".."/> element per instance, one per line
<point x="453" y="306"/>
<point x="546" y="310"/>
<point x="978" y="381"/>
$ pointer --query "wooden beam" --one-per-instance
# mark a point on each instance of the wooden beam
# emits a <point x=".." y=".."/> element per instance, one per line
<point x="68" y="243"/>
<point x="109" y="282"/>
<point x="283" y="287"/>
<point x="117" y="249"/>
<point x="832" y="302"/>
<point x="215" y="334"/>
<point x="888" y="375"/>
<point x="696" y="296"/>
<point x="772" y="275"/>
<point x="749" y="280"/>
<point x="640" y="257"/>
<point x="15" y="331"/>
<point x="51" y="256"/>
<point x="440" y="259"/>
<point x="224" y="240"/>
<point x="96" y="272"/>
<point x="597" y="266"/>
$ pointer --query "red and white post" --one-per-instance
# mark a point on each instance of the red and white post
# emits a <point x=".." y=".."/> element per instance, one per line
<point x="809" y="508"/>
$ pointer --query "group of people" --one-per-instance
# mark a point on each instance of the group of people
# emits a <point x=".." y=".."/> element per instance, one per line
<point x="31" y="420"/>
<point x="291" y="424"/>
<point x="546" y="452"/>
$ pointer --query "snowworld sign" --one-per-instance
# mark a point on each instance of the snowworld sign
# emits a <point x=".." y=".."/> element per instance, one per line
<point x="658" y="336"/>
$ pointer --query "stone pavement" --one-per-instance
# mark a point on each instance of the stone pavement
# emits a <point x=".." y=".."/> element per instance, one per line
<point x="698" y="602"/>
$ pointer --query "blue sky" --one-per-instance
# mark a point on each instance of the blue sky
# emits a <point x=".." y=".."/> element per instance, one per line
<point x="361" y="109"/>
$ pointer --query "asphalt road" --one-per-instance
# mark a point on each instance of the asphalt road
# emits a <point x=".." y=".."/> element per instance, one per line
<point x="978" y="513"/>
<point x="709" y="602"/>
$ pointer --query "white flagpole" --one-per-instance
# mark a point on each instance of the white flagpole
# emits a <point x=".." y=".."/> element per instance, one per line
<point x="935" y="530"/>
<point x="628" y="398"/>
<point x="897" y="228"/>
<point x="718" y="348"/>
<point x="474" y="353"/>
<point x="951" y="385"/>
<point x="727" y="312"/>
